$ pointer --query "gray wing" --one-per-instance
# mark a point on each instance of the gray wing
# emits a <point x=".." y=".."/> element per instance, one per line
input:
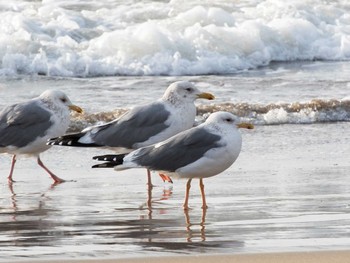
<point x="179" y="151"/>
<point x="137" y="125"/>
<point x="21" y="123"/>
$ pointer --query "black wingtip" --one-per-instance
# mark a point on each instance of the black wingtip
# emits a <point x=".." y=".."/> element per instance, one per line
<point x="66" y="140"/>
<point x="71" y="140"/>
<point x="109" y="157"/>
<point x="104" y="165"/>
<point x="98" y="158"/>
<point x="52" y="141"/>
<point x="111" y="160"/>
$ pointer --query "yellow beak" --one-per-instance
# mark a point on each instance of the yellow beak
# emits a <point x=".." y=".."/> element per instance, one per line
<point x="245" y="125"/>
<point x="206" y="95"/>
<point x="75" y="108"/>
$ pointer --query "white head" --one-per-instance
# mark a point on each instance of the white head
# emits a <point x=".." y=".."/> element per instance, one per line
<point x="57" y="98"/>
<point x="184" y="91"/>
<point x="225" y="120"/>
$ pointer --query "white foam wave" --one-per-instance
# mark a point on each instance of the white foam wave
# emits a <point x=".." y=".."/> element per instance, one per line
<point x="304" y="116"/>
<point x="315" y="111"/>
<point x="94" y="38"/>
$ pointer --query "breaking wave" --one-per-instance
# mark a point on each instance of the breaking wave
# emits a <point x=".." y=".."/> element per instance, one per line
<point x="108" y="38"/>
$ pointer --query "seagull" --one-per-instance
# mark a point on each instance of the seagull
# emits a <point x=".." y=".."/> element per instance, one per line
<point x="26" y="127"/>
<point x="200" y="152"/>
<point x="143" y="125"/>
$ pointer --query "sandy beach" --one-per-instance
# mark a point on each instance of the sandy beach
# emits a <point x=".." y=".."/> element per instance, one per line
<point x="307" y="257"/>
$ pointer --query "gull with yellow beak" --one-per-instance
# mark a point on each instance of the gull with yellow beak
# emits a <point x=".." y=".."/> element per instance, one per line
<point x="200" y="152"/>
<point x="26" y="127"/>
<point x="143" y="125"/>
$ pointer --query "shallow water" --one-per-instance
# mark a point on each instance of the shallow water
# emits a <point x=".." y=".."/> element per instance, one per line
<point x="288" y="191"/>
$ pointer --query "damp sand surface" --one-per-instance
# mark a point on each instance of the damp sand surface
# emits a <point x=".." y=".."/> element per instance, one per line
<point x="288" y="191"/>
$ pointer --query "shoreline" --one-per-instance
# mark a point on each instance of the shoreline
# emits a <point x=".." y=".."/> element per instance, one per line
<point x="334" y="256"/>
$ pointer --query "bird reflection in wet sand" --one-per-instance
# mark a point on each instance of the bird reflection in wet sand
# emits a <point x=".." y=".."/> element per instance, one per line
<point x="23" y="221"/>
<point x="13" y="200"/>
<point x="167" y="193"/>
<point x="191" y="233"/>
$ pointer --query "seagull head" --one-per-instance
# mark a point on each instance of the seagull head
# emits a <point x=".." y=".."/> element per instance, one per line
<point x="185" y="91"/>
<point x="59" y="98"/>
<point x="227" y="119"/>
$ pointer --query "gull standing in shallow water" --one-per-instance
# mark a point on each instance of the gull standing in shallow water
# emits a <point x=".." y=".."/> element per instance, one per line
<point x="200" y="152"/>
<point x="143" y="125"/>
<point x="26" y="127"/>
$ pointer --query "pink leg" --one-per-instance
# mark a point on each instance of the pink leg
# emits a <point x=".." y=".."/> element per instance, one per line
<point x="165" y="178"/>
<point x="149" y="179"/>
<point x="9" y="178"/>
<point x="201" y="185"/>
<point x="53" y="176"/>
<point x="188" y="187"/>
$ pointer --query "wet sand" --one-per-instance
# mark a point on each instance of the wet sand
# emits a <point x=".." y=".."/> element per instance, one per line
<point x="309" y="257"/>
<point x="288" y="191"/>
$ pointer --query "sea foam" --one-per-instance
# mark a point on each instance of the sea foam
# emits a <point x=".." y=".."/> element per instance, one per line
<point x="86" y="39"/>
<point x="314" y="111"/>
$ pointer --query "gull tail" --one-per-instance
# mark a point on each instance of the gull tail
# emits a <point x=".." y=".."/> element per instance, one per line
<point x="71" y="140"/>
<point x="110" y="160"/>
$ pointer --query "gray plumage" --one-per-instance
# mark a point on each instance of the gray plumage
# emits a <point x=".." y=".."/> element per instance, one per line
<point x="178" y="151"/>
<point x="137" y="125"/>
<point x="20" y="123"/>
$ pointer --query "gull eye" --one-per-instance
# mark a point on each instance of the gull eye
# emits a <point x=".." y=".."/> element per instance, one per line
<point x="229" y="120"/>
<point x="189" y="89"/>
<point x="64" y="100"/>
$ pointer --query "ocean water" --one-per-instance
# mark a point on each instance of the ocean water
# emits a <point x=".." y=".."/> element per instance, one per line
<point x="138" y="38"/>
<point x="282" y="65"/>
<point x="256" y="55"/>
